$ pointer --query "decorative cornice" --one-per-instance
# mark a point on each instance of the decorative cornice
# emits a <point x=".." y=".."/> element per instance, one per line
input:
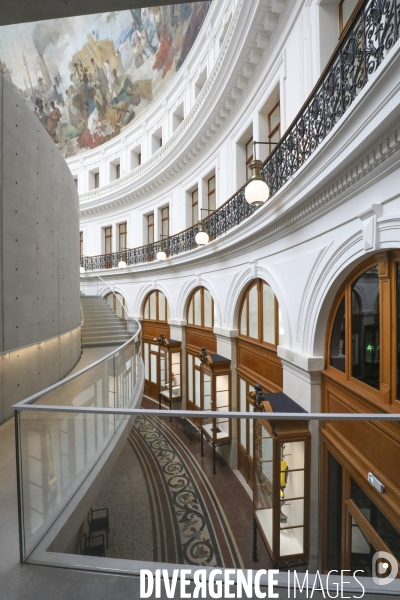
<point x="247" y="56"/>
<point x="308" y="364"/>
<point x="247" y="235"/>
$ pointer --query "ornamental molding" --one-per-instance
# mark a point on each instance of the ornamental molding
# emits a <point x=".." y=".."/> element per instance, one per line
<point x="298" y="361"/>
<point x="309" y="377"/>
<point x="222" y="109"/>
<point x="246" y="236"/>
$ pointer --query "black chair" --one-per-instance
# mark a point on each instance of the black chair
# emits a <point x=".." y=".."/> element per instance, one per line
<point x="93" y="545"/>
<point x="98" y="521"/>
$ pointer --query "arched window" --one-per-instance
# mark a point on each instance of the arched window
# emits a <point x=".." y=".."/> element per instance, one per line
<point x="117" y="303"/>
<point x="156" y="307"/>
<point x="260" y="331"/>
<point x="260" y="318"/>
<point x="155" y="322"/>
<point x="361" y="377"/>
<point x="201" y="309"/>
<point x="199" y="333"/>
<point x="360" y="358"/>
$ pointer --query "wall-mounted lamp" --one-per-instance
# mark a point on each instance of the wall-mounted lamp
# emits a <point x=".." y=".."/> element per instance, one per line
<point x="202" y="238"/>
<point x="81" y="268"/>
<point x="161" y="255"/>
<point x="122" y="262"/>
<point x="257" y="191"/>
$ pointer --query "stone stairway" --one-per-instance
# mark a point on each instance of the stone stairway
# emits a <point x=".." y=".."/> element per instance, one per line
<point x="101" y="327"/>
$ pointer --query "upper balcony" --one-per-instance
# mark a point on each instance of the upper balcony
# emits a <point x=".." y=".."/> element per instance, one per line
<point x="323" y="133"/>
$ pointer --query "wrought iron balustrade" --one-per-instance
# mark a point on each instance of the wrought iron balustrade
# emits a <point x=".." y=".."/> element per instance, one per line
<point x="364" y="45"/>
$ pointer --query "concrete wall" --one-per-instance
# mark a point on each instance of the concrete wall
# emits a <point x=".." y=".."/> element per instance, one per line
<point x="39" y="254"/>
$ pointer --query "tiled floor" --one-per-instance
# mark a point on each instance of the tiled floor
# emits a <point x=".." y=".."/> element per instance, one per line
<point x="234" y="499"/>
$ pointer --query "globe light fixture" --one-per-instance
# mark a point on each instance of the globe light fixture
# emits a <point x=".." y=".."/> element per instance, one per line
<point x="257" y="191"/>
<point x="161" y="255"/>
<point x="122" y="262"/>
<point x="202" y="237"/>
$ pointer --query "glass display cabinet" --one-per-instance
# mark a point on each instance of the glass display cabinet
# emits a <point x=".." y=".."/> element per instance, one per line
<point x="281" y="494"/>
<point x="170" y="371"/>
<point x="215" y="396"/>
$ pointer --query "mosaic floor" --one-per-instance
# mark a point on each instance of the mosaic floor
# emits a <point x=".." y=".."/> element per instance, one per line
<point x="166" y="506"/>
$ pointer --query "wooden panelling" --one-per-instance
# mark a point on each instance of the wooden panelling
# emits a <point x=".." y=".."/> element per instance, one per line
<point x="364" y="446"/>
<point x="197" y="338"/>
<point x="260" y="365"/>
<point x="245" y="466"/>
<point x="153" y="329"/>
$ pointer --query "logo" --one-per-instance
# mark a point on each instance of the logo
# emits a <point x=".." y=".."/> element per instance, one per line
<point x="384" y="568"/>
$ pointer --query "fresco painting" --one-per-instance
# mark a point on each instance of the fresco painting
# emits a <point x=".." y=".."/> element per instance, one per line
<point x="88" y="78"/>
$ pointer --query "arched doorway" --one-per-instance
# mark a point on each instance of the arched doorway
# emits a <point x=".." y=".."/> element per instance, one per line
<point x="155" y="322"/>
<point x="260" y="331"/>
<point x="362" y="376"/>
<point x="117" y="303"/>
<point x="199" y="334"/>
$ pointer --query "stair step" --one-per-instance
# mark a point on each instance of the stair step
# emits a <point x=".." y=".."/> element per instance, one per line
<point x="102" y="322"/>
<point x="91" y="333"/>
<point x="102" y="326"/>
<point x="108" y="338"/>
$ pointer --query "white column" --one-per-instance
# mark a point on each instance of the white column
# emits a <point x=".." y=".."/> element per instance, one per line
<point x="302" y="383"/>
<point x="226" y="346"/>
<point x="178" y="332"/>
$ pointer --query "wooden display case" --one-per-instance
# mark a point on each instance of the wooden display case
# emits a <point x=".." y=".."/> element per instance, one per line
<point x="281" y="494"/>
<point x="215" y="396"/>
<point x="170" y="371"/>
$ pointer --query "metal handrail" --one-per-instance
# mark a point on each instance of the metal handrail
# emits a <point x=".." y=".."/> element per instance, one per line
<point x="25" y="403"/>
<point x="368" y="37"/>
<point x="126" y="316"/>
<point x="28" y="404"/>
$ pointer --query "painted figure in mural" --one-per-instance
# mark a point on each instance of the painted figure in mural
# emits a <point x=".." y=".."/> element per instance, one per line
<point x="53" y="120"/>
<point x="75" y="115"/>
<point x="56" y="95"/>
<point x="150" y="29"/>
<point x="137" y="19"/>
<point x="126" y="90"/>
<point x="165" y="55"/>
<point x="108" y="72"/>
<point x="63" y="122"/>
<point x="42" y="114"/>
<point x="196" y="20"/>
<point x="99" y="75"/>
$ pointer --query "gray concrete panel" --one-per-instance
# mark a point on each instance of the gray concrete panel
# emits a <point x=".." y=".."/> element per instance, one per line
<point x="34" y="368"/>
<point x="39" y="248"/>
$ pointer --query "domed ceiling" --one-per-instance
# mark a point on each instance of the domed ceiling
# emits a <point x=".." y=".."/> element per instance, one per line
<point x="88" y="78"/>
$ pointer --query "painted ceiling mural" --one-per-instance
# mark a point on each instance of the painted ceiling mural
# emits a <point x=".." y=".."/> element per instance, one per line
<point x="87" y="78"/>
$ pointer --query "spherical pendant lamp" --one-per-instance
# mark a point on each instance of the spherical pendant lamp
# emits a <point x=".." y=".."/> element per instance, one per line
<point x="202" y="237"/>
<point x="257" y="191"/>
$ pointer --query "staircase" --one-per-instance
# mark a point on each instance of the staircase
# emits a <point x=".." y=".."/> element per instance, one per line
<point x="101" y="325"/>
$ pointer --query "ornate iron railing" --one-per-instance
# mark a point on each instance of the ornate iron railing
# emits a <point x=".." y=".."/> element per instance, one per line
<point x="364" y="45"/>
<point x="233" y="212"/>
